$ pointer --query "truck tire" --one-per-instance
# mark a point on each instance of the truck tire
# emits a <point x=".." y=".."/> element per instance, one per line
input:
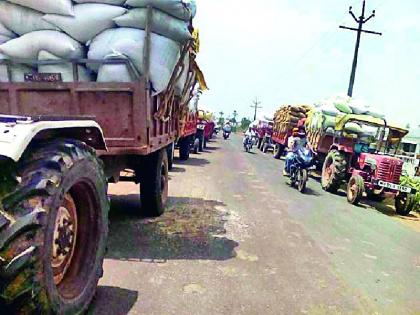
<point x="278" y="151"/>
<point x="201" y="143"/>
<point x="184" y="149"/>
<point x="404" y="203"/>
<point x="333" y="171"/>
<point x="154" y="182"/>
<point x="171" y="152"/>
<point x="196" y="146"/>
<point x="355" y="189"/>
<point x="205" y="143"/>
<point x="53" y="243"/>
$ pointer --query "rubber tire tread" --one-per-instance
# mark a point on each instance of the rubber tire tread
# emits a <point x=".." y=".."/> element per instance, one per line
<point x="150" y="184"/>
<point x="184" y="149"/>
<point x="22" y="285"/>
<point x="339" y="160"/>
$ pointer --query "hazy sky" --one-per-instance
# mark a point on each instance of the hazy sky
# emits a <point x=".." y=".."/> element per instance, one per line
<point x="292" y="51"/>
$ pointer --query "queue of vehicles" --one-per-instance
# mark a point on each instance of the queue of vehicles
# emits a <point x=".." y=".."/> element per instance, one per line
<point x="363" y="162"/>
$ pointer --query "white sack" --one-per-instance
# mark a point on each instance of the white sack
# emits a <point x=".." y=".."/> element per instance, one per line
<point x="161" y="23"/>
<point x="47" y="6"/>
<point x="115" y="72"/>
<point x="164" y="52"/>
<point x="28" y="46"/>
<point x="17" y="71"/>
<point x="182" y="9"/>
<point x="113" y="2"/>
<point x="4" y="39"/>
<point x="5" y="31"/>
<point x="89" y="20"/>
<point x="66" y="69"/>
<point x="22" y="20"/>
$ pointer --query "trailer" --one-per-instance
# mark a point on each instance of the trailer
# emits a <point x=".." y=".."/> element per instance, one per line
<point x="61" y="144"/>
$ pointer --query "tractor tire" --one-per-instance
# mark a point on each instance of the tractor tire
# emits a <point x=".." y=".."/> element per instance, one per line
<point x="260" y="143"/>
<point x="334" y="171"/>
<point x="154" y="182"/>
<point x="196" y="146"/>
<point x="205" y="143"/>
<point x="278" y="151"/>
<point x="404" y="203"/>
<point x="184" y="149"/>
<point x="265" y="148"/>
<point x="53" y="231"/>
<point x="171" y="153"/>
<point x="355" y="189"/>
<point x="201" y="143"/>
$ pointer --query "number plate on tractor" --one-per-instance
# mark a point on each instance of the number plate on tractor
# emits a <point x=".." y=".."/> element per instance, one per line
<point x="43" y="77"/>
<point x="201" y="127"/>
<point x="394" y="187"/>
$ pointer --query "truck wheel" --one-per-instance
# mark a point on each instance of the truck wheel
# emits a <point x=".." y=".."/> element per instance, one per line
<point x="333" y="171"/>
<point x="205" y="143"/>
<point x="53" y="243"/>
<point x="201" y="143"/>
<point x="355" y="189"/>
<point x="404" y="203"/>
<point x="196" y="146"/>
<point x="171" y="152"/>
<point x="184" y="149"/>
<point x="154" y="184"/>
<point x="278" y="151"/>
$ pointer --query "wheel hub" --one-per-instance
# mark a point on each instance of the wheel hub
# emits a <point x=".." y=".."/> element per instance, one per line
<point x="65" y="233"/>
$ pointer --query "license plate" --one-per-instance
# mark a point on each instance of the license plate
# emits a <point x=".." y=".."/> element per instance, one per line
<point x="201" y="127"/>
<point x="395" y="187"/>
<point x="43" y="77"/>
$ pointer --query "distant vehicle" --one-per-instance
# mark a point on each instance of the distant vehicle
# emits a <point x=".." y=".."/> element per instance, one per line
<point x="205" y="129"/>
<point x="302" y="161"/>
<point x="248" y="143"/>
<point x="227" y="130"/>
<point x="264" y="131"/>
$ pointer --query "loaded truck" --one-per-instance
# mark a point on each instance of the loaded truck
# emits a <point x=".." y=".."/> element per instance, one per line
<point x="285" y="119"/>
<point x="61" y="144"/>
<point x="362" y="156"/>
<point x="205" y="129"/>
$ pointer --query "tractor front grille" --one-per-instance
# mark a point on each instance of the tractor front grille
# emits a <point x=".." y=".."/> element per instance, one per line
<point x="390" y="171"/>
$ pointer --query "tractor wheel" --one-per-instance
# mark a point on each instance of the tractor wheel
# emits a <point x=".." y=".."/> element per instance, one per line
<point x="154" y="184"/>
<point x="265" y="148"/>
<point x="53" y="231"/>
<point x="355" y="189"/>
<point x="205" y="143"/>
<point x="171" y="152"/>
<point x="278" y="151"/>
<point x="201" y="143"/>
<point x="196" y="146"/>
<point x="260" y="143"/>
<point x="333" y="171"/>
<point x="184" y="149"/>
<point x="404" y="203"/>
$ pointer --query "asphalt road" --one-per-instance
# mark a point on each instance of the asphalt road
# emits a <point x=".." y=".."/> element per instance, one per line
<point x="236" y="239"/>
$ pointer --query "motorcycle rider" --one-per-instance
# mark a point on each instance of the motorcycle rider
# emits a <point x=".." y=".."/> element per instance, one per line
<point x="296" y="141"/>
<point x="249" y="134"/>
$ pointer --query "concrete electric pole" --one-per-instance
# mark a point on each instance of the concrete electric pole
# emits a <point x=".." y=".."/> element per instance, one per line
<point x="361" y="20"/>
<point x="256" y="107"/>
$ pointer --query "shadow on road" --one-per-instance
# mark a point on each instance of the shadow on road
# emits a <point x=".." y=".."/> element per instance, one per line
<point x="190" y="229"/>
<point x="113" y="300"/>
<point x="177" y="169"/>
<point x="388" y="209"/>
<point x="194" y="161"/>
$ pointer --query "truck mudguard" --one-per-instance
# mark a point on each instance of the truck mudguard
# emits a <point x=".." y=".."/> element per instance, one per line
<point x="16" y="133"/>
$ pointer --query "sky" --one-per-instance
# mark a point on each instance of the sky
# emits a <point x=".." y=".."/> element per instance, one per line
<point x="293" y="52"/>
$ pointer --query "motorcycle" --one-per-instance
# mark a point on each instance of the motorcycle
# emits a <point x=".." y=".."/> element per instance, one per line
<point x="248" y="144"/>
<point x="303" y="159"/>
<point x="226" y="132"/>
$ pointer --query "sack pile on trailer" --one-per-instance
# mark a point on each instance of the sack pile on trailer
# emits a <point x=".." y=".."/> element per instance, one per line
<point x="288" y="117"/>
<point x="100" y="30"/>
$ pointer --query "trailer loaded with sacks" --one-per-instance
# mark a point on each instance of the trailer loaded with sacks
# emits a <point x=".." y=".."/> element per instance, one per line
<point x="88" y="91"/>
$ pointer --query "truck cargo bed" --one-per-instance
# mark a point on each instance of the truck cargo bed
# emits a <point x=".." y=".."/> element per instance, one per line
<point x="125" y="111"/>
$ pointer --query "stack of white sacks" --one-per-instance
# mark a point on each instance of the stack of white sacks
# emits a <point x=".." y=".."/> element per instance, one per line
<point x="94" y="29"/>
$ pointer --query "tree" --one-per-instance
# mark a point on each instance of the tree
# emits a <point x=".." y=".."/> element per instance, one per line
<point x="245" y="122"/>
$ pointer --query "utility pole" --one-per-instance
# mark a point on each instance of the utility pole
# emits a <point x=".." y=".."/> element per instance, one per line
<point x="361" y="20"/>
<point x="256" y="107"/>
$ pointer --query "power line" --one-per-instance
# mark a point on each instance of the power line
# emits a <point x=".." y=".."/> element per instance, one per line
<point x="256" y="107"/>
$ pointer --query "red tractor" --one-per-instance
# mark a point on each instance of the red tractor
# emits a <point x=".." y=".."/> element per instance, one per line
<point x="205" y="130"/>
<point x="264" y="131"/>
<point x="362" y="155"/>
